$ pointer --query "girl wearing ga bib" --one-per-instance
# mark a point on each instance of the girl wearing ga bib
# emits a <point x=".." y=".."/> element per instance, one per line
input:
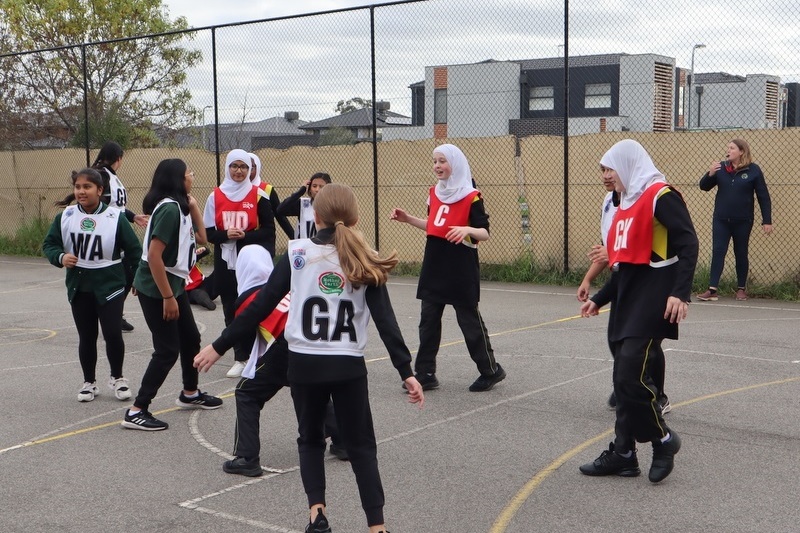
<point x="336" y="282"/>
<point x="95" y="244"/>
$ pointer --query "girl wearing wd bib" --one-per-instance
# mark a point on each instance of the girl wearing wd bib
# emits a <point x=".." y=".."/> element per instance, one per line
<point x="237" y="213"/>
<point x="336" y="283"/>
<point x="88" y="239"/>
<point x="450" y="274"/>
<point x="653" y="242"/>
<point x="160" y="285"/>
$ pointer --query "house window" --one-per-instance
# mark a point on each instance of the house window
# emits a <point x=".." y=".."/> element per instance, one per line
<point x="440" y="106"/>
<point x="598" y="96"/>
<point x="541" y="99"/>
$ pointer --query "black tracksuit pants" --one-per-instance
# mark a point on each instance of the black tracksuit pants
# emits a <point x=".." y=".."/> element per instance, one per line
<point x="354" y="417"/>
<point x="639" y="416"/>
<point x="171" y="339"/>
<point x="476" y="337"/>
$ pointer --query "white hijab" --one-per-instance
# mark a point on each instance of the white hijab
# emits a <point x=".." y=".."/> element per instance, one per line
<point x="253" y="268"/>
<point x="257" y="180"/>
<point x="635" y="169"/>
<point x="459" y="184"/>
<point x="236" y="192"/>
<point x="233" y="190"/>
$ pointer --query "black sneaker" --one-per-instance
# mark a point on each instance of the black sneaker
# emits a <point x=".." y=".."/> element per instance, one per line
<point x="612" y="401"/>
<point x="243" y="467"/>
<point x="428" y="381"/>
<point x="339" y="451"/>
<point x="664" y="457"/>
<point x="610" y="463"/>
<point x="201" y="401"/>
<point x="126" y="326"/>
<point x="143" y="420"/>
<point x="319" y="525"/>
<point x="484" y="383"/>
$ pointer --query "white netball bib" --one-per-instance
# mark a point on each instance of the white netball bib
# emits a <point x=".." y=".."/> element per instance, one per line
<point x="327" y="315"/>
<point x="186" y="245"/>
<point x="90" y="237"/>
<point x="306" y="228"/>
<point x="119" y="196"/>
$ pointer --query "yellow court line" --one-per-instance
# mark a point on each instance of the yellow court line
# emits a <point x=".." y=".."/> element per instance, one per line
<point x="50" y="334"/>
<point x="110" y="424"/>
<point x="92" y="428"/>
<point x="507" y="514"/>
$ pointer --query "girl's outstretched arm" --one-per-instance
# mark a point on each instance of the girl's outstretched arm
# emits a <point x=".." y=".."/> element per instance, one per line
<point x="400" y="215"/>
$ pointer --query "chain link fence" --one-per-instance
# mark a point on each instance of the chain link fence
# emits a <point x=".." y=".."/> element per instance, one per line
<point x="532" y="96"/>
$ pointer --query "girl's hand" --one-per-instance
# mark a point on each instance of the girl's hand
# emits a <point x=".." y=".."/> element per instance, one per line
<point x="676" y="310"/>
<point x="598" y="254"/>
<point x="589" y="308"/>
<point x="206" y="358"/>
<point x="171" y="309"/>
<point x="415" y="394"/>
<point x="141" y="220"/>
<point x="456" y="234"/>
<point x="235" y="234"/>
<point x="399" y="215"/>
<point x="69" y="260"/>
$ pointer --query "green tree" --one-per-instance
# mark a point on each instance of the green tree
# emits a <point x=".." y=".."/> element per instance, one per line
<point x="140" y="83"/>
<point x="345" y="106"/>
<point x="336" y="136"/>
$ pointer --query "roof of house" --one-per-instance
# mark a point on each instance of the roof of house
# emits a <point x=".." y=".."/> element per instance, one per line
<point x="359" y="118"/>
<point x="271" y="126"/>
<point x="574" y="61"/>
<point x="718" y="77"/>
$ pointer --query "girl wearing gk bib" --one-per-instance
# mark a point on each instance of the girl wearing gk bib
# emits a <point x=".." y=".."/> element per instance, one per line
<point x="336" y="282"/>
<point x="160" y="285"/>
<point x="89" y="239"/>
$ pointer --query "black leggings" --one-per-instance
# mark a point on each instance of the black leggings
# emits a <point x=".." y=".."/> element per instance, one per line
<point x="722" y="230"/>
<point x="353" y="415"/>
<point x="87" y="312"/>
<point x="171" y="338"/>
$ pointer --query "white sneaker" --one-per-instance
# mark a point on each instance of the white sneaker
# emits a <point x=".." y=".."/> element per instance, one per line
<point x="236" y="370"/>
<point x="88" y="392"/>
<point x="120" y="387"/>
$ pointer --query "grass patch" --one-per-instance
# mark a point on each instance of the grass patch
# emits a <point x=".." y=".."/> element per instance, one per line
<point x="28" y="239"/>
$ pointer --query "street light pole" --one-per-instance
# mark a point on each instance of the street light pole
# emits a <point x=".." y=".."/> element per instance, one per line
<point x="203" y="134"/>
<point x="691" y="81"/>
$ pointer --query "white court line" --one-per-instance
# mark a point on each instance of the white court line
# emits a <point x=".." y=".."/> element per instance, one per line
<point x="191" y="504"/>
<point x="491" y="289"/>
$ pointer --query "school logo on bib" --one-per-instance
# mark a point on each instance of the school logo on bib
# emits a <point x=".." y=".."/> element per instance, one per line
<point x="331" y="283"/>
<point x="88" y="224"/>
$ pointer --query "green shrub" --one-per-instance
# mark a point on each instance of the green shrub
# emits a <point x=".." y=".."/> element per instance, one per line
<point x="28" y="239"/>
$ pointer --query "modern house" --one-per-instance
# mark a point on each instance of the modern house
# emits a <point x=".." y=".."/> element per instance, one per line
<point x="721" y="100"/>
<point x="607" y="92"/>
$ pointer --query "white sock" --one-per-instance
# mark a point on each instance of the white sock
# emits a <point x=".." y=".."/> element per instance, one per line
<point x="131" y="412"/>
<point x="665" y="439"/>
<point x="195" y="395"/>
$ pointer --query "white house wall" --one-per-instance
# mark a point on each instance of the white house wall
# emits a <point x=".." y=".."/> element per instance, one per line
<point x="637" y="89"/>
<point x="481" y="98"/>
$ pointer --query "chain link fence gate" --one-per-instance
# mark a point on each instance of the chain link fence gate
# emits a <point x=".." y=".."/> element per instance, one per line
<point x="681" y="78"/>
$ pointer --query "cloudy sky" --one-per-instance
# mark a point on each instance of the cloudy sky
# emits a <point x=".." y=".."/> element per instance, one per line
<point x="309" y="63"/>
